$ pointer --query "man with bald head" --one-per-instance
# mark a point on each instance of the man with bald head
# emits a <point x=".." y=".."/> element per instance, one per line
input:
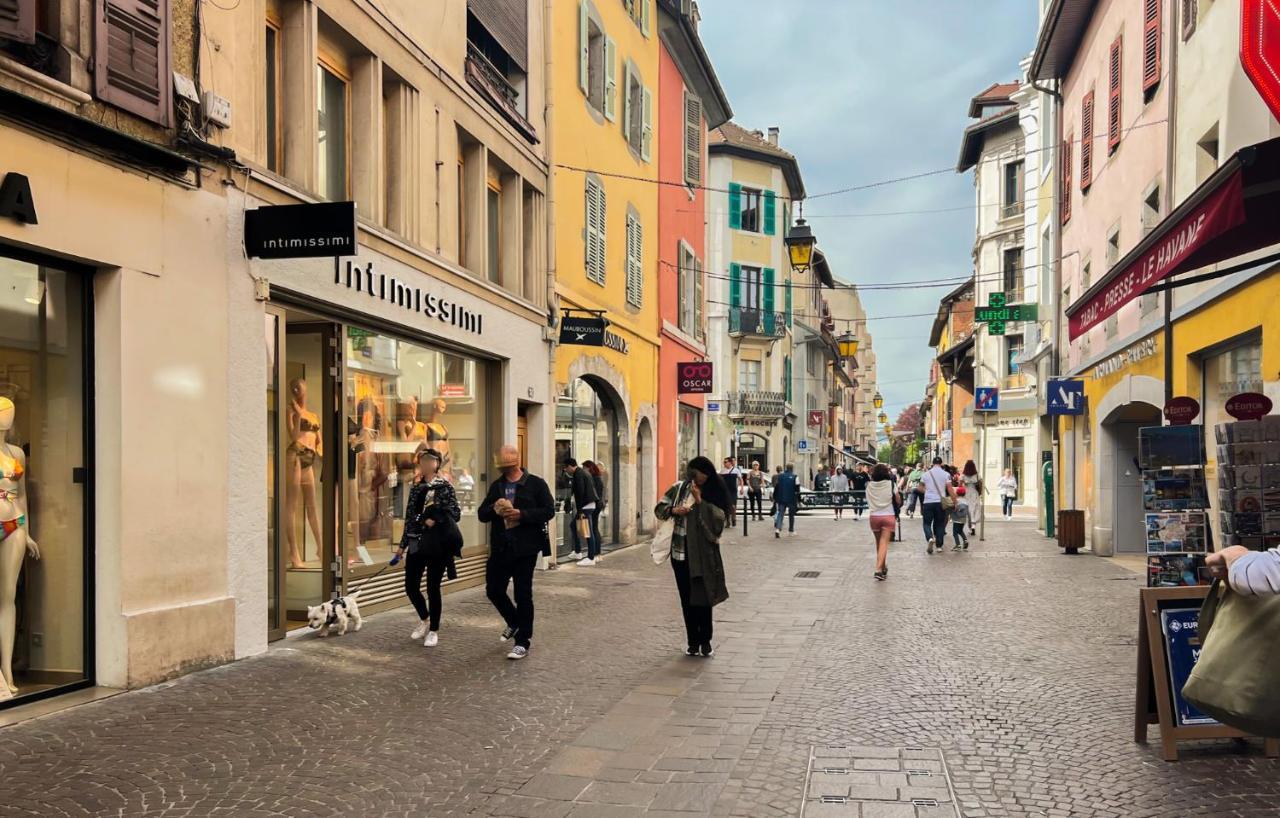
<point x="517" y="508"/>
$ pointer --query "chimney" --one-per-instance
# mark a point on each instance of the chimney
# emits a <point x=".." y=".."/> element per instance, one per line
<point x="773" y="135"/>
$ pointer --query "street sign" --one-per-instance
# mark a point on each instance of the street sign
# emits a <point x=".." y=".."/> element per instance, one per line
<point x="1260" y="49"/>
<point x="693" y="377"/>
<point x="802" y="445"/>
<point x="1181" y="411"/>
<point x="713" y="406"/>
<point x="1066" y="396"/>
<point x="986" y="399"/>
<point x="583" y="330"/>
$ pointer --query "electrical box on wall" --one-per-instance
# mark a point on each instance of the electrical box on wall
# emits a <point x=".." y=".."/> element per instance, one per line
<point x="217" y="109"/>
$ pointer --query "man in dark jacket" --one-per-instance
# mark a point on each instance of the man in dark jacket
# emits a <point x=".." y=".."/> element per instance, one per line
<point x="786" y="498"/>
<point x="585" y="500"/>
<point x="518" y="507"/>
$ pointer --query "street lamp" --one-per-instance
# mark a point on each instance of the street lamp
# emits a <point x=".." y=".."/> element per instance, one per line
<point x="848" y="345"/>
<point x="878" y="400"/>
<point x="884" y="418"/>
<point x="800" y="241"/>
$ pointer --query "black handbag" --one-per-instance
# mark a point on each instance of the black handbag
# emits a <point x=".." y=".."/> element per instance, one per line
<point x="411" y="543"/>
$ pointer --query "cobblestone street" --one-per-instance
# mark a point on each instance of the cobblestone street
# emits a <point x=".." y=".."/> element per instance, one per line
<point x="995" y="682"/>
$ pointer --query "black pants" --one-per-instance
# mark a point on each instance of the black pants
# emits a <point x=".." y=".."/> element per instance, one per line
<point x="935" y="523"/>
<point x="697" y="618"/>
<point x="755" y="503"/>
<point x="957" y="531"/>
<point x="517" y="570"/>
<point x="414" y="566"/>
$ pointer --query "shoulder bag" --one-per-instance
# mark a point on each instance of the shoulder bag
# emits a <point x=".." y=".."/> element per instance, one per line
<point x="948" y="502"/>
<point x="660" y="546"/>
<point x="1235" y="678"/>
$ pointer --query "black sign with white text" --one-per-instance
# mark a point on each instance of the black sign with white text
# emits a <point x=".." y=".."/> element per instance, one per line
<point x="694" y="377"/>
<point x="583" y="330"/>
<point x="301" y="231"/>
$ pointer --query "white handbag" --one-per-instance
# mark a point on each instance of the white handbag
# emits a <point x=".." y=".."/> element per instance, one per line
<point x="660" y="548"/>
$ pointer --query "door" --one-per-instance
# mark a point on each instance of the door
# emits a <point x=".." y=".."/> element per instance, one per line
<point x="1128" y="522"/>
<point x="522" y="437"/>
<point x="1014" y="453"/>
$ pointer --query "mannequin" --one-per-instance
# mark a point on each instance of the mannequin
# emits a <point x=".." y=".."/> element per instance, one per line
<point x="303" y="456"/>
<point x="16" y="544"/>
<point x="438" y="436"/>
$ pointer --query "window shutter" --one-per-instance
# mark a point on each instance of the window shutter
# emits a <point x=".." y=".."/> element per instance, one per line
<point x="735" y="206"/>
<point x="769" y="301"/>
<point x="18" y="20"/>
<point x="1113" y="95"/>
<point x="786" y="300"/>
<point x="131" y="67"/>
<point x="786" y="378"/>
<point x="610" y="79"/>
<point x="770" y="213"/>
<point x="1066" y="179"/>
<point x="1151" y="37"/>
<point x="627" y="102"/>
<point x="595" y="220"/>
<point x="646" y="123"/>
<point x="1086" y="142"/>
<point x="735" y="286"/>
<point x="697" y="299"/>
<point x="645" y="21"/>
<point x="692" y="139"/>
<point x="584" y="48"/>
<point x="635" y="268"/>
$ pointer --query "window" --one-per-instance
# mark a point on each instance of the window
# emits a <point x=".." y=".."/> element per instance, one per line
<point x="692" y="139"/>
<point x="1207" y="154"/>
<point x="332" y="89"/>
<point x="1151" y="45"/>
<point x="640" y="13"/>
<point x="595" y="231"/>
<point x="1013" y="345"/>
<point x="597" y="63"/>
<point x="1190" y="13"/>
<point x="749" y="376"/>
<point x="689" y="292"/>
<point x="493" y="226"/>
<point x="462" y="205"/>
<point x="1113" y="95"/>
<point x="688" y="433"/>
<point x="637" y="113"/>
<point x="274" y="133"/>
<point x="1012" y="279"/>
<point x="1151" y="210"/>
<point x="1148" y="302"/>
<point x="1113" y="247"/>
<point x="1086" y="142"/>
<point x="1013" y="184"/>
<point x="1086" y="275"/>
<point x="1112" y="326"/>
<point x="635" y="261"/>
<point x="750" y="209"/>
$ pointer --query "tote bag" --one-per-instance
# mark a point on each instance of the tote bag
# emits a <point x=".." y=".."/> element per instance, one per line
<point x="1238" y="674"/>
<point x="948" y="502"/>
<point x="660" y="546"/>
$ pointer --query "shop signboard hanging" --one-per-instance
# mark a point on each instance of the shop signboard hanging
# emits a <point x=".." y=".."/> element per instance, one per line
<point x="1260" y="49"/>
<point x="1181" y="411"/>
<point x="320" y="230"/>
<point x="583" y="330"/>
<point x="1249" y="406"/>
<point x="1066" y="396"/>
<point x="816" y="417"/>
<point x="694" y="377"/>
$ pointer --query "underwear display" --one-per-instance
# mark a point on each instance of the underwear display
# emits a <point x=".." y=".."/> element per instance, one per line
<point x="306" y="457"/>
<point x="16" y="472"/>
<point x="7" y="527"/>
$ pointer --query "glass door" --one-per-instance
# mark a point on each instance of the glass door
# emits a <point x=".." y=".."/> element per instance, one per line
<point x="275" y="476"/>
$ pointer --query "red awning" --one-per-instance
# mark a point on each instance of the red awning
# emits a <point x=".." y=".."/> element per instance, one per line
<point x="1232" y="213"/>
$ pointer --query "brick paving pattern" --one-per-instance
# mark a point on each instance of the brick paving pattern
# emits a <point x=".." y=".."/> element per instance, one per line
<point x="1013" y="662"/>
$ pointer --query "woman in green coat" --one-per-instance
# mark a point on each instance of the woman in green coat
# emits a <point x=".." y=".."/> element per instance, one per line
<point x="699" y="505"/>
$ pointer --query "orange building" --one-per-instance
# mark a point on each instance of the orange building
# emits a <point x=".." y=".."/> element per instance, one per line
<point x="952" y="339"/>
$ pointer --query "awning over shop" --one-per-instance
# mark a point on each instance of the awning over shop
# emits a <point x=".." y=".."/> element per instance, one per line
<point x="1232" y="213"/>
<point x="856" y="458"/>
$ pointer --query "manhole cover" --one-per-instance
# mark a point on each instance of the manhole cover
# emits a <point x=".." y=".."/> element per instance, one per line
<point x="875" y="780"/>
<point x="807" y="574"/>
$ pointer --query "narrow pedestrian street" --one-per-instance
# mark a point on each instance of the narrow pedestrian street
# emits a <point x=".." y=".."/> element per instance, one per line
<point x="1014" y="661"/>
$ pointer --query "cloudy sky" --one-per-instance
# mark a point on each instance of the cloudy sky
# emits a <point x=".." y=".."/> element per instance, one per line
<point x="864" y="91"/>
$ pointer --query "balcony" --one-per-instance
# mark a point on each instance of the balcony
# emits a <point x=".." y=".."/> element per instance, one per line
<point x="1011" y="210"/>
<point x="486" y="78"/>
<point x="767" y="406"/>
<point x="746" y="322"/>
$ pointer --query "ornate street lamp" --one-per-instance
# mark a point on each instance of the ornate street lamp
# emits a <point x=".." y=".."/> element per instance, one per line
<point x="883" y="418"/>
<point x="848" y="345"/>
<point x="800" y="241"/>
<point x="878" y="400"/>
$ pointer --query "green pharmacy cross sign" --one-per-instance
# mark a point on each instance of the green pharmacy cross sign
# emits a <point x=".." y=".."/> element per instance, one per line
<point x="997" y="313"/>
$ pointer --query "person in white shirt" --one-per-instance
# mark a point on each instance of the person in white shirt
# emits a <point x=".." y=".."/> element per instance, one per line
<point x="937" y="485"/>
<point x="840" y="484"/>
<point x="882" y="498"/>
<point x="1008" y="488"/>
<point x="732" y="476"/>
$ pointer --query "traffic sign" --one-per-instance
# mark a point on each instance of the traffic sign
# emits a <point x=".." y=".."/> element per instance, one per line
<point x="713" y="406"/>
<point x="986" y="399"/>
<point x="802" y="445"/>
<point x="1260" y="49"/>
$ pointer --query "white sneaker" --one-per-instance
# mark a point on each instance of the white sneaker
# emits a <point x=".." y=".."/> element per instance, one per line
<point x="576" y="555"/>
<point x="587" y="561"/>
<point x="518" y="652"/>
<point x="929" y="550"/>
<point x="433" y="639"/>
<point x="421" y="630"/>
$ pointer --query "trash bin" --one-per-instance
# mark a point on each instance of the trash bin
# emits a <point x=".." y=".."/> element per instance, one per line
<point x="1071" y="530"/>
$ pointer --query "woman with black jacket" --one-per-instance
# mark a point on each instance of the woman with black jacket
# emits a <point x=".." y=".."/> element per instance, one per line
<point x="431" y="541"/>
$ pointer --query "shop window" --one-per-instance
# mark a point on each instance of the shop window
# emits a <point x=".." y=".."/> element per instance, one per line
<point x="585" y="428"/>
<point x="399" y="396"/>
<point x="688" y="435"/>
<point x="43" y="421"/>
<point x="333" y="89"/>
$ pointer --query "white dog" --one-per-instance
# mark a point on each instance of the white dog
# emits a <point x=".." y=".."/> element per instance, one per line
<point x="338" y="612"/>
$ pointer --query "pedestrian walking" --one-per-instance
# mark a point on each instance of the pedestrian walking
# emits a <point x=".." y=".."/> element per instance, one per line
<point x="732" y="476"/>
<point x="1008" y="488"/>
<point x="822" y="480"/>
<point x="430" y="543"/>
<point x="882" y="500"/>
<point x="773" y="484"/>
<point x="517" y="508"/>
<point x="959" y="519"/>
<point x="756" y="481"/>
<point x="699" y="504"/>
<point x="939" y="498"/>
<point x="974" y="492"/>
<point x="602" y="502"/>
<point x="840" y="486"/>
<point x="786" y="498"/>
<point x="912" y="489"/>
<point x="582" y="491"/>
<point x="858" y="483"/>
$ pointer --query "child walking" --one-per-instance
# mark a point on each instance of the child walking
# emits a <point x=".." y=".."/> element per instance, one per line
<point x="960" y="519"/>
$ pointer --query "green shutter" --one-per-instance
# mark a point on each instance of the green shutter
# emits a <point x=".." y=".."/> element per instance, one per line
<point x="583" y="47"/>
<point x="770" y="213"/>
<point x="786" y="378"/>
<point x="735" y="206"/>
<point x="768" y="302"/>
<point x="735" y="286"/>
<point x="786" y="295"/>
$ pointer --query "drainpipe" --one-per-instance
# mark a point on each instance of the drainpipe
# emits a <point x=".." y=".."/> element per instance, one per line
<point x="1170" y="145"/>
<point x="549" y="236"/>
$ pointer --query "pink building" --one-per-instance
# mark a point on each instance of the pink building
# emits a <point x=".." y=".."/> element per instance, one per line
<point x="690" y="101"/>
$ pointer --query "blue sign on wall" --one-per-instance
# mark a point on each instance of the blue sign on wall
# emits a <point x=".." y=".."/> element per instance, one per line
<point x="986" y="399"/>
<point x="1066" y="396"/>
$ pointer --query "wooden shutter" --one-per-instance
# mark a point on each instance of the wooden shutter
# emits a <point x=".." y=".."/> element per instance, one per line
<point x="645" y="20"/>
<point x="1151" y="37"/>
<point x="1066" y="179"/>
<point x="131" y="67"/>
<point x="786" y="301"/>
<point x="1086" y="142"/>
<point x="698" y="304"/>
<point x="610" y="79"/>
<point x="735" y="286"/>
<point x="584" y="49"/>
<point x="1113" y="94"/>
<point x="735" y="206"/>
<point x="646" y="123"/>
<point x="692" y="139"/>
<point x="786" y="378"/>
<point x="18" y="20"/>
<point x="595" y="221"/>
<point x="628" y="104"/>
<point x="770" y="213"/>
<point x="635" y="268"/>
<point x="768" y="302"/>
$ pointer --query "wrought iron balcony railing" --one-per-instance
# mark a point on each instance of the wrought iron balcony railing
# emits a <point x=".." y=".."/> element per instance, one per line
<point x="485" y="77"/>
<point x="758" y="323"/>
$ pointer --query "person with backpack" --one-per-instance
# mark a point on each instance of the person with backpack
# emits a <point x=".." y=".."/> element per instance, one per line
<point x="939" y="499"/>
<point x="912" y="489"/>
<point x="430" y="543"/>
<point x="699" y="505"/>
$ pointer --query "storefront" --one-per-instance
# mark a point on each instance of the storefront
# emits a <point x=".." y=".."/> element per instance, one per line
<point x="586" y="430"/>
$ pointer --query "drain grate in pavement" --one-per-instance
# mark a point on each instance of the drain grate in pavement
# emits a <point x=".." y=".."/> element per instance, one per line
<point x="808" y="574"/>
<point x="857" y="780"/>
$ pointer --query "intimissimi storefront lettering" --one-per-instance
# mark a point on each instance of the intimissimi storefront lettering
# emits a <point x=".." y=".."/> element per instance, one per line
<point x="387" y="288"/>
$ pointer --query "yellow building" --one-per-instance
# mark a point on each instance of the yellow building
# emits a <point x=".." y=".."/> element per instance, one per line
<point x="604" y="201"/>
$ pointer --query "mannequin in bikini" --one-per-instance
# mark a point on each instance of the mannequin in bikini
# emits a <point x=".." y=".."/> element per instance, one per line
<point x="15" y="542"/>
<point x="438" y="436"/>
<point x="303" y="456"/>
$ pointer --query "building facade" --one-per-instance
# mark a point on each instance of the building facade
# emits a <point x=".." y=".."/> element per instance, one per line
<point x="950" y="390"/>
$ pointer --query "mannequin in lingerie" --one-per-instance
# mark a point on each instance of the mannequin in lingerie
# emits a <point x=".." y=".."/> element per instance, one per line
<point x="438" y="436"/>
<point x="303" y="458"/>
<point x="15" y="542"/>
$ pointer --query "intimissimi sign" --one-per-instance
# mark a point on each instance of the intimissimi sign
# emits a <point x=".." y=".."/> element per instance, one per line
<point x="383" y="287"/>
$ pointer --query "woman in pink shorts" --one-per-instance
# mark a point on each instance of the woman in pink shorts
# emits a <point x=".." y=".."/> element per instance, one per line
<point x="882" y="497"/>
